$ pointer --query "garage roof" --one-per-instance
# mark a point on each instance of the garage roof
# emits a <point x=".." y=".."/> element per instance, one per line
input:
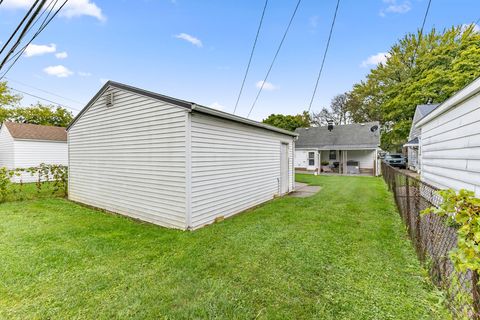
<point x="27" y="131"/>
<point x="181" y="103"/>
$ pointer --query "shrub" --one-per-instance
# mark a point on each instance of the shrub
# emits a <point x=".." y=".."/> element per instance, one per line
<point x="56" y="174"/>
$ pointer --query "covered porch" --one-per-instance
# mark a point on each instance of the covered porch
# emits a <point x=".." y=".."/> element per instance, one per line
<point x="340" y="161"/>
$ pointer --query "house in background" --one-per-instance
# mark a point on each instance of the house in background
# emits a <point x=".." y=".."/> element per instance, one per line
<point x="345" y="149"/>
<point x="172" y="162"/>
<point x="450" y="142"/>
<point x="414" y="137"/>
<point x="28" y="145"/>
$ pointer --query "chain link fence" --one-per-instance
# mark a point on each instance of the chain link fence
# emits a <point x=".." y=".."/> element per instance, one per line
<point x="433" y="239"/>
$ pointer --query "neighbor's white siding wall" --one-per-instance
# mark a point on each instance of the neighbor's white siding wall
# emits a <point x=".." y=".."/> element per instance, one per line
<point x="130" y="159"/>
<point x="234" y="167"/>
<point x="301" y="159"/>
<point x="30" y="153"/>
<point x="6" y="149"/>
<point x="450" y="148"/>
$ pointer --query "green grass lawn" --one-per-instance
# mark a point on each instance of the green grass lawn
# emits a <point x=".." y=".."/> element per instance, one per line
<point x="30" y="191"/>
<point x="341" y="254"/>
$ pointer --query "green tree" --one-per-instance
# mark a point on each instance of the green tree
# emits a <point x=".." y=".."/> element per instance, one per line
<point x="338" y="112"/>
<point x="7" y="98"/>
<point x="289" y="122"/>
<point x="419" y="69"/>
<point x="41" y="114"/>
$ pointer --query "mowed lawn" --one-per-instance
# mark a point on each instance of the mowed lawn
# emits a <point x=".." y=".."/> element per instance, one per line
<point x="341" y="254"/>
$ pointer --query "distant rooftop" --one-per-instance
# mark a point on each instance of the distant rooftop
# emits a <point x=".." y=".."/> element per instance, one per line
<point x="425" y="109"/>
<point x="349" y="136"/>
<point x="36" y="132"/>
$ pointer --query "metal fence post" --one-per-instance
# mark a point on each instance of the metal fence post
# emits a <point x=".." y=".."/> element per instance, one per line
<point x="408" y="215"/>
<point x="476" y="296"/>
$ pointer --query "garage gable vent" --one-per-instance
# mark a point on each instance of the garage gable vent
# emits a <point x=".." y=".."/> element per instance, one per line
<point x="109" y="99"/>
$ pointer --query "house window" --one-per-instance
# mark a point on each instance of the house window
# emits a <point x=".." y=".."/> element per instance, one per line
<point x="333" y="155"/>
<point x="311" y="158"/>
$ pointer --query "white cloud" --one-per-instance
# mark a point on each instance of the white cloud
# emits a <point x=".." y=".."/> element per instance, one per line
<point x="267" y="86"/>
<point x="61" y="55"/>
<point x="77" y="8"/>
<point x="374" y="60"/>
<point x="84" y="74"/>
<point x="103" y="80"/>
<point x="476" y="27"/>
<point x="39" y="49"/>
<point x="393" y="6"/>
<point x="73" y="8"/>
<point x="217" y="106"/>
<point x="58" y="71"/>
<point x="195" y="41"/>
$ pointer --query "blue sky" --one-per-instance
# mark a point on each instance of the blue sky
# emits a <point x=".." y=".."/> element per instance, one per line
<point x="197" y="50"/>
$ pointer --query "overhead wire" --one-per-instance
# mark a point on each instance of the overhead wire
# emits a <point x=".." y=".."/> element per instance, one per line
<point x="44" y="91"/>
<point x="421" y="31"/>
<point x="324" y="56"/>
<point x="42" y="98"/>
<point x="275" y="57"/>
<point x="251" y="56"/>
<point x="5" y="45"/>
<point x="41" y="28"/>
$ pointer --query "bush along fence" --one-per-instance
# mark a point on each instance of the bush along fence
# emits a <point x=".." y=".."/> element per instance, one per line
<point x="444" y="228"/>
<point x="53" y="177"/>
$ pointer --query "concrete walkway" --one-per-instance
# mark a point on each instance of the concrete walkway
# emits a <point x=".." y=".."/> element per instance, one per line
<point x="303" y="190"/>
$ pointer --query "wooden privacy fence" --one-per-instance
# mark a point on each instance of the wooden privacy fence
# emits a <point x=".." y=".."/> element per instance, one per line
<point x="433" y="239"/>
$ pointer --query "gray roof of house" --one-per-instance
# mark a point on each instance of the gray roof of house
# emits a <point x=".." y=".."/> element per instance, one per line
<point x="421" y="112"/>
<point x="349" y="136"/>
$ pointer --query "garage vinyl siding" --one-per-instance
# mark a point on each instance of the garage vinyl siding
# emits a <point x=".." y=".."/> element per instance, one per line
<point x="451" y="148"/>
<point x="130" y="158"/>
<point x="29" y="153"/>
<point x="6" y="149"/>
<point x="234" y="167"/>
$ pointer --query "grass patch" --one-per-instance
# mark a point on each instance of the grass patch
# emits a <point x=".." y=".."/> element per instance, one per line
<point x="341" y="254"/>
<point x="30" y="191"/>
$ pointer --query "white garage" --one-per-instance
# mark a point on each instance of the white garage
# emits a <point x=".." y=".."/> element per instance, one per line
<point x="25" y="145"/>
<point x="172" y="162"/>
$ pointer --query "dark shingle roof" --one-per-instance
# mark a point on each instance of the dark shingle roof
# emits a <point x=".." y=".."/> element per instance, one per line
<point x="352" y="136"/>
<point x="421" y="112"/>
<point x="425" y="109"/>
<point x="36" y="132"/>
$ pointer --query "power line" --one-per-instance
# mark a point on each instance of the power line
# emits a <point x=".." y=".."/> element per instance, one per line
<point x="421" y="31"/>
<point x="251" y="56"/>
<point x="42" y="98"/>
<point x="42" y="27"/>
<point x="324" y="56"/>
<point x="47" y="8"/>
<point x="44" y="91"/>
<point x="19" y="26"/>
<point x="23" y="32"/>
<point x="275" y="57"/>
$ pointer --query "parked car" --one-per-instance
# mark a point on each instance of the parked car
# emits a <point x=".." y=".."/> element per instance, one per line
<point x="396" y="160"/>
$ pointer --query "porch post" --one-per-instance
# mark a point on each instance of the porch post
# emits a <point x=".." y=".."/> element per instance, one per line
<point x="319" y="166"/>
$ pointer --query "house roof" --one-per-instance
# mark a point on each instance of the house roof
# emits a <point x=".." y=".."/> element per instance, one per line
<point x="412" y="143"/>
<point x="349" y="136"/>
<point x="191" y="106"/>
<point x="28" y="131"/>
<point x="421" y="112"/>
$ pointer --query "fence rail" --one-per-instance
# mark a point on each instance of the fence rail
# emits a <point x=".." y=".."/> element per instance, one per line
<point x="433" y="239"/>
